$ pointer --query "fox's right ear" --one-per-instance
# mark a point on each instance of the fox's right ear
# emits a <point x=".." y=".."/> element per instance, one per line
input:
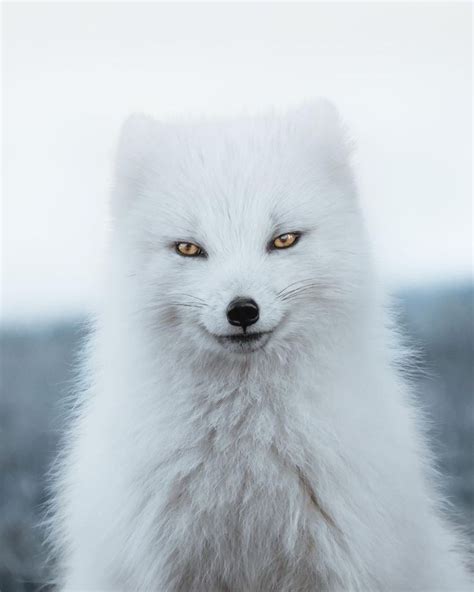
<point x="135" y="146"/>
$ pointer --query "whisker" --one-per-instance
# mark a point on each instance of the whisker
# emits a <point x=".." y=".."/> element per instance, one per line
<point x="194" y="297"/>
<point x="296" y="293"/>
<point x="295" y="286"/>
<point x="325" y="291"/>
<point x="302" y="287"/>
<point x="292" y="284"/>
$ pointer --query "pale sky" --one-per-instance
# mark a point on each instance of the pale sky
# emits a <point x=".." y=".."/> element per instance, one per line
<point x="400" y="74"/>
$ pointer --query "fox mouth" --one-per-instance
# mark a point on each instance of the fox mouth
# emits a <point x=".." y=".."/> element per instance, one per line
<point x="244" y="342"/>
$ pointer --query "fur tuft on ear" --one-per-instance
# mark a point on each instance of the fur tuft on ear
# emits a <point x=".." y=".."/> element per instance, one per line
<point x="323" y="127"/>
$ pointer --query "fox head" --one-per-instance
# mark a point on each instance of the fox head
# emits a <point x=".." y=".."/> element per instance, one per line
<point x="240" y="237"/>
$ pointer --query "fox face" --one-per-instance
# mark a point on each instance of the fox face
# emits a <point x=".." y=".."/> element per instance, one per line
<point x="242" y="236"/>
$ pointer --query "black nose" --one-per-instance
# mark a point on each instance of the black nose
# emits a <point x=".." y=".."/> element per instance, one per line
<point x="242" y="312"/>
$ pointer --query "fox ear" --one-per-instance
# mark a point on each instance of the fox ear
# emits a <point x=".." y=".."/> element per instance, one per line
<point x="324" y="128"/>
<point x="137" y="139"/>
<point x="134" y="144"/>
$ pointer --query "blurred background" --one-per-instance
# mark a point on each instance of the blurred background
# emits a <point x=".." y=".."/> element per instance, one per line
<point x="400" y="74"/>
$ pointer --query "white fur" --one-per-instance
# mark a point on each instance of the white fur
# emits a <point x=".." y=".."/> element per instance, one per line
<point x="296" y="467"/>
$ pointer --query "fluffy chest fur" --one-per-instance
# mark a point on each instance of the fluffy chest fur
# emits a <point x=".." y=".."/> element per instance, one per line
<point x="234" y="506"/>
<point x="237" y="485"/>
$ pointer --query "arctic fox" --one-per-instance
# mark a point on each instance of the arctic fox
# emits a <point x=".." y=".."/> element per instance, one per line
<point x="245" y="426"/>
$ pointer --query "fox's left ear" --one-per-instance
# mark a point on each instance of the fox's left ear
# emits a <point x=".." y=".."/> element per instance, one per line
<point x="322" y="127"/>
<point x="137" y="141"/>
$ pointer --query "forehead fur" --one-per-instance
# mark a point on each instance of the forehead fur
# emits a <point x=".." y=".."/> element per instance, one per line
<point x="237" y="171"/>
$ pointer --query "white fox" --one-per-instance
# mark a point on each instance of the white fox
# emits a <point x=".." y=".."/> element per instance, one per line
<point x="245" y="425"/>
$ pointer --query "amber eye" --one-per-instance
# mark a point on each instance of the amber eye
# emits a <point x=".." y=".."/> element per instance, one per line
<point x="285" y="240"/>
<point x="188" y="249"/>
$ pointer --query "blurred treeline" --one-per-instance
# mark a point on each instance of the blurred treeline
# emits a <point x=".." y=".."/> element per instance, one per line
<point x="38" y="368"/>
